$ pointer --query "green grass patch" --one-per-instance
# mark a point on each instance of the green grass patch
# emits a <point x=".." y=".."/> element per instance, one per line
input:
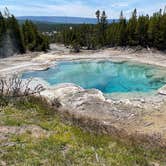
<point x="65" y="144"/>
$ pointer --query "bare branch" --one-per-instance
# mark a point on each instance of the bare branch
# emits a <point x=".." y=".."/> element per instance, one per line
<point x="14" y="87"/>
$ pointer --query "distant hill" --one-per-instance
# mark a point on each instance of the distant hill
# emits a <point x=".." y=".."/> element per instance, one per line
<point x="61" y="19"/>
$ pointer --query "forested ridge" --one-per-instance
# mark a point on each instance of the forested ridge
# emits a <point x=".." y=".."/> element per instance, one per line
<point x="144" y="30"/>
<point x="15" y="39"/>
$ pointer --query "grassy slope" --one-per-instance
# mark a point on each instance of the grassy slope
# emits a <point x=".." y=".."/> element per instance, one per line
<point x="65" y="144"/>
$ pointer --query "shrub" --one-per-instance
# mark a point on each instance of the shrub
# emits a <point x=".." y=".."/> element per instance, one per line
<point x="14" y="88"/>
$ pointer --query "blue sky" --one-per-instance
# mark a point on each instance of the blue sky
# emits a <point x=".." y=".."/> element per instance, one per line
<point x="80" y="8"/>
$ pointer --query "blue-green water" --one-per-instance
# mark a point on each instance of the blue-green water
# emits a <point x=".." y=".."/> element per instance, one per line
<point x="105" y="75"/>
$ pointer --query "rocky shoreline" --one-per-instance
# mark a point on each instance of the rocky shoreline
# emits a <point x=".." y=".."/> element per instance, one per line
<point x="137" y="118"/>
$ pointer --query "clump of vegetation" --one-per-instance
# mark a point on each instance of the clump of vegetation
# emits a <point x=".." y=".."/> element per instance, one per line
<point x="16" y="39"/>
<point x="14" y="88"/>
<point x="75" y="47"/>
<point x="145" y="31"/>
<point x="11" y="38"/>
<point x="33" y="39"/>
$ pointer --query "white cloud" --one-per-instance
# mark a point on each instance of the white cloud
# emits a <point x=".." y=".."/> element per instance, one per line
<point x="75" y="9"/>
<point x="120" y="4"/>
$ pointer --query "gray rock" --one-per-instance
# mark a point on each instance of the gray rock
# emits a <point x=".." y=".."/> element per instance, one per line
<point x="162" y="90"/>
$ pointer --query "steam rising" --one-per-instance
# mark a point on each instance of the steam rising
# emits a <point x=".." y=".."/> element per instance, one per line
<point x="8" y="46"/>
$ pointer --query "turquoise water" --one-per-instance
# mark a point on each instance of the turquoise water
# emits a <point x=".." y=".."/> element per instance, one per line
<point x="105" y="75"/>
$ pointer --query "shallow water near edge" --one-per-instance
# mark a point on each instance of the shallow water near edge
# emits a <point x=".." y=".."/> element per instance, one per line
<point x="106" y="76"/>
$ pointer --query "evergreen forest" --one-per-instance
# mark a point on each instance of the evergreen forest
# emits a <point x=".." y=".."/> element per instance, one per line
<point x="144" y="30"/>
<point x="17" y="39"/>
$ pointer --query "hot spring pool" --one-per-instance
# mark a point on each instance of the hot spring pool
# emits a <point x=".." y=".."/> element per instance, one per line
<point x="106" y="76"/>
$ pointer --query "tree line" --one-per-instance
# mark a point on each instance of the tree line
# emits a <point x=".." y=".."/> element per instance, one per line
<point x="144" y="30"/>
<point x="17" y="39"/>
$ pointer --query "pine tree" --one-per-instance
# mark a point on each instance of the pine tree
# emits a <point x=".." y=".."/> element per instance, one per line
<point x="121" y="31"/>
<point x="33" y="39"/>
<point x="98" y="16"/>
<point x="154" y="30"/>
<point x="11" y="39"/>
<point x="29" y="35"/>
<point x="103" y="28"/>
<point x="16" y="34"/>
<point x="2" y="34"/>
<point x="162" y="33"/>
<point x="142" y="30"/>
<point x="2" y="27"/>
<point x="131" y="29"/>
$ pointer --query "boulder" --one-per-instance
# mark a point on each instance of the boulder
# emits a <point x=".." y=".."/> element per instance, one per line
<point x="162" y="90"/>
<point x="73" y="95"/>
